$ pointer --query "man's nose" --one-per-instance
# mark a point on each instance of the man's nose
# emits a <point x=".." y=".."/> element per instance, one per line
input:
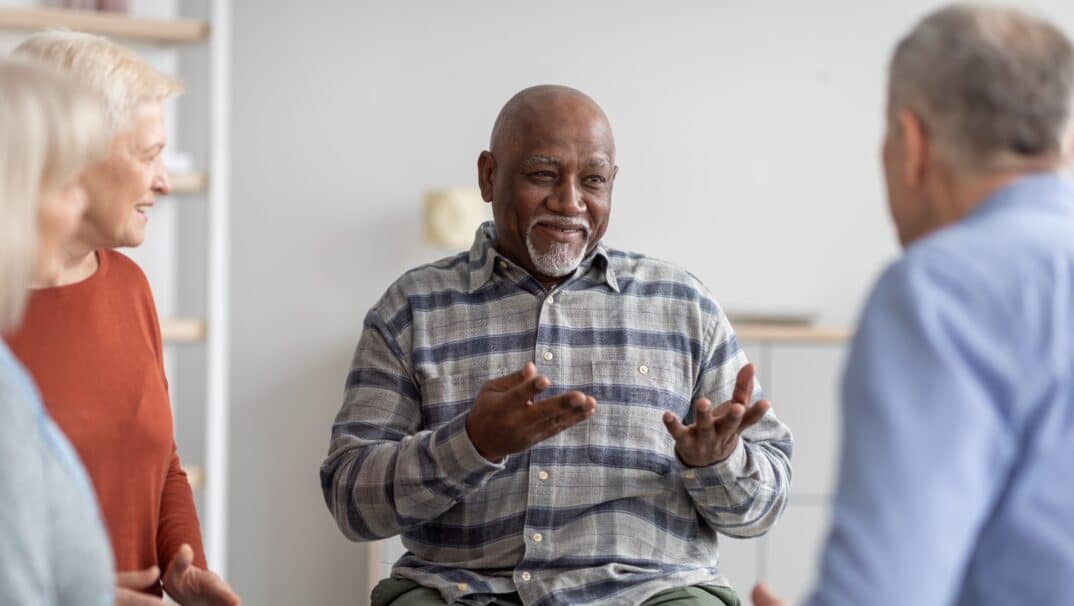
<point x="567" y="199"/>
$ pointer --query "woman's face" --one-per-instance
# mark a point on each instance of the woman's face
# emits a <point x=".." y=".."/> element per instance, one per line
<point x="123" y="187"/>
<point x="59" y="212"/>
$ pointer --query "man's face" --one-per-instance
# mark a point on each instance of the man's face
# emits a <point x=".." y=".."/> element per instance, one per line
<point x="123" y="187"/>
<point x="551" y="190"/>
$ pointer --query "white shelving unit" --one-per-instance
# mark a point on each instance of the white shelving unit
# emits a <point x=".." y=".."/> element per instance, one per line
<point x="19" y="17"/>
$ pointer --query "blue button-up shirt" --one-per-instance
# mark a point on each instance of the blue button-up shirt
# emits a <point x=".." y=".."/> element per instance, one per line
<point x="600" y="513"/>
<point x="957" y="478"/>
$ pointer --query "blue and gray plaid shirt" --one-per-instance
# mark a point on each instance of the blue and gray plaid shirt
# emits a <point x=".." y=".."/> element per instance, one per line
<point x="601" y="513"/>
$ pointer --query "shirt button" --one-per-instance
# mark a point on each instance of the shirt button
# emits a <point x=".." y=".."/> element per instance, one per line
<point x="643" y="369"/>
<point x="547" y="356"/>
<point x="689" y="475"/>
<point x="463" y="586"/>
<point x="542" y="476"/>
<point x="538" y="537"/>
<point x="525" y="576"/>
<point x="551" y="300"/>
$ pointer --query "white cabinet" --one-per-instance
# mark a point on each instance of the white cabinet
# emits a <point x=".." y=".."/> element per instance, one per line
<point x="802" y="379"/>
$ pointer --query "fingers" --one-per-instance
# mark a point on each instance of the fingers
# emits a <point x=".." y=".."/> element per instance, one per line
<point x="743" y="392"/>
<point x="553" y="415"/>
<point x="754" y="414"/>
<point x="565" y="403"/>
<point x="674" y="426"/>
<point x="138" y="579"/>
<point x="129" y="597"/>
<point x="183" y="560"/>
<point x="704" y="418"/>
<point x="729" y="420"/>
<point x="510" y="380"/>
<point x="762" y="596"/>
<point x="527" y="389"/>
<point x="217" y="591"/>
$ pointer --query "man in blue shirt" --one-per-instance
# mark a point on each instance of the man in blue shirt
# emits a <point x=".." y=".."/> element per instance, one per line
<point x="957" y="474"/>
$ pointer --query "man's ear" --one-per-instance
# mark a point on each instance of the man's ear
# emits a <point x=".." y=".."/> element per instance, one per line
<point x="915" y="141"/>
<point x="486" y="171"/>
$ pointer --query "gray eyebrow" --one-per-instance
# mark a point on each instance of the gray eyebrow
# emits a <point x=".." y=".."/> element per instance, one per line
<point x="538" y="159"/>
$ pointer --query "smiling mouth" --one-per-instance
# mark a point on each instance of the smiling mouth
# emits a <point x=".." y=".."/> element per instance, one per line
<point x="562" y="233"/>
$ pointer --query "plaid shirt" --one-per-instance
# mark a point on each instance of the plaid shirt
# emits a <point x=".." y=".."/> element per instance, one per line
<point x="601" y="513"/>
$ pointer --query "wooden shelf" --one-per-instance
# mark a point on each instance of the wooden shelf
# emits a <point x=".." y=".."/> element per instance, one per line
<point x="782" y="333"/>
<point x="162" y="31"/>
<point x="182" y="330"/>
<point x="189" y="184"/>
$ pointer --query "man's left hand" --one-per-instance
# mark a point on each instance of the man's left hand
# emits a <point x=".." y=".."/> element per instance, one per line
<point x="192" y="586"/>
<point x="715" y="432"/>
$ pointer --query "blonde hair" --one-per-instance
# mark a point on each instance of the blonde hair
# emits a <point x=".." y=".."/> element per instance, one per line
<point x="51" y="128"/>
<point x="112" y="71"/>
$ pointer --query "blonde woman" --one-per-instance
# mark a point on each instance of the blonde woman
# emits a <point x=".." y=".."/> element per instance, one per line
<point x="53" y="547"/>
<point x="91" y="337"/>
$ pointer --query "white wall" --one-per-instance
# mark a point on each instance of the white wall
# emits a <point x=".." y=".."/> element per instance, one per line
<point x="747" y="137"/>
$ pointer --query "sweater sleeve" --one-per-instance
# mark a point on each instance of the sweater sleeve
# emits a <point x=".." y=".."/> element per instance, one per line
<point x="178" y="518"/>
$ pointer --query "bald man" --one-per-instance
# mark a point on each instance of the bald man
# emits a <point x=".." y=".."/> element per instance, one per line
<point x="514" y="411"/>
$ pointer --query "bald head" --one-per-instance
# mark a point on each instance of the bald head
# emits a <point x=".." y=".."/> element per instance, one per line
<point x="534" y="109"/>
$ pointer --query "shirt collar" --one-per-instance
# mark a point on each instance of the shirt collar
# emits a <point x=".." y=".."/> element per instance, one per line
<point x="1043" y="189"/>
<point x="484" y="256"/>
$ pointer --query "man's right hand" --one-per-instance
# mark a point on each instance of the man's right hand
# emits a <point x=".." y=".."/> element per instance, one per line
<point x="505" y="419"/>
<point x="130" y="584"/>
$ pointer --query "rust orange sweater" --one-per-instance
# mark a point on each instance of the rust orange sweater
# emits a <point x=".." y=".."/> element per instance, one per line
<point x="94" y="349"/>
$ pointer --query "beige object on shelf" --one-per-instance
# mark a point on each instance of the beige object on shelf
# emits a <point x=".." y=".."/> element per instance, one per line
<point x="450" y="217"/>
<point x="194" y="476"/>
<point x="182" y="330"/>
<point x="187" y="184"/>
<point x="106" y="24"/>
<point x="784" y="333"/>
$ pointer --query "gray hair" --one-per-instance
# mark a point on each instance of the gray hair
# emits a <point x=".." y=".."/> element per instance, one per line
<point x="993" y="86"/>
<point x="52" y="129"/>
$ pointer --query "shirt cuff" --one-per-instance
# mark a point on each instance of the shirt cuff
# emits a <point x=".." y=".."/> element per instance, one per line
<point x="458" y="456"/>
<point x="727" y="471"/>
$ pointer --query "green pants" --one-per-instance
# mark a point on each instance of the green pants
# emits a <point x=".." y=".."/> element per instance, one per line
<point x="404" y="592"/>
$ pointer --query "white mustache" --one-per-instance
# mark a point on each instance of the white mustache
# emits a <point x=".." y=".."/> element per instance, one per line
<point x="561" y="223"/>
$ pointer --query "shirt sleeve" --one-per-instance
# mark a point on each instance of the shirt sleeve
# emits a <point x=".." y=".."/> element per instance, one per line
<point x="925" y="447"/>
<point x="178" y="522"/>
<point x="384" y="473"/>
<point x="178" y="519"/>
<point x="745" y="494"/>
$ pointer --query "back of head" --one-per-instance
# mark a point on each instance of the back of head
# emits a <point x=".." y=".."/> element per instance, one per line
<point x="112" y="71"/>
<point x="993" y="86"/>
<point x="52" y="129"/>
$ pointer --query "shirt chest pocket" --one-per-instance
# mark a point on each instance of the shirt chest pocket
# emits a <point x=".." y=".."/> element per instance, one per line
<point x="447" y="396"/>
<point x="627" y="432"/>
